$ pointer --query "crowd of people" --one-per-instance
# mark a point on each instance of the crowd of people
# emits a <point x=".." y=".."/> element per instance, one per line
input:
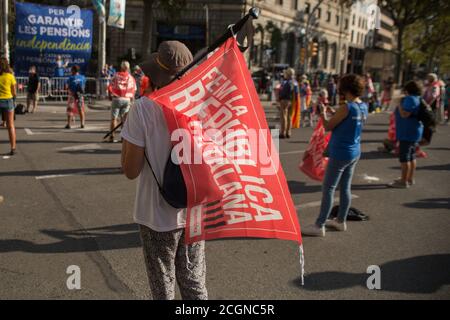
<point x="343" y="106"/>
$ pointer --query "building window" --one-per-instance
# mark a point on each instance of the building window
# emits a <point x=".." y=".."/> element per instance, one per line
<point x="295" y="4"/>
<point x="280" y="2"/>
<point x="353" y="36"/>
<point x="325" y="55"/>
<point x="307" y="8"/>
<point x="346" y="24"/>
<point x="353" y="20"/>
<point x="319" y="13"/>
<point x="337" y="20"/>
<point x="328" y="16"/>
<point x="333" y="55"/>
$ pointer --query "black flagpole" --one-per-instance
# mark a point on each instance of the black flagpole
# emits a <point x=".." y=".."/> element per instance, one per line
<point x="231" y="31"/>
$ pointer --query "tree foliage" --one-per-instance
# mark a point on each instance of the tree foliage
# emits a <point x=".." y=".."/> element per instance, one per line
<point x="411" y="16"/>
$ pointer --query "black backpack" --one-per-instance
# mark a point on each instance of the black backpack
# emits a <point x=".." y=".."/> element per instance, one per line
<point x="428" y="119"/>
<point x="20" y="109"/>
<point x="173" y="188"/>
<point x="353" y="214"/>
<point x="426" y="115"/>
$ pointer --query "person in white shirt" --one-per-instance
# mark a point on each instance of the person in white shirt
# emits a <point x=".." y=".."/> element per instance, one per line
<point x="168" y="259"/>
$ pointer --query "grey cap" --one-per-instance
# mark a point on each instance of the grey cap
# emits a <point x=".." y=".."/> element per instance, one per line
<point x="171" y="58"/>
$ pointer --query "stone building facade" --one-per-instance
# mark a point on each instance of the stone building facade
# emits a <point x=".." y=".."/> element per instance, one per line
<point x="331" y="30"/>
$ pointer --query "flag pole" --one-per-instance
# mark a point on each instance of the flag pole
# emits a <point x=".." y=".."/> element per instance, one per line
<point x="231" y="31"/>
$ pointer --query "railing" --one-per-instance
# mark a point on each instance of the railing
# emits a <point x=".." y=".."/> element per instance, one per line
<point x="55" y="88"/>
<point x="22" y="88"/>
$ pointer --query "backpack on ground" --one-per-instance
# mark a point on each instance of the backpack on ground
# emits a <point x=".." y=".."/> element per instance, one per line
<point x="353" y="214"/>
<point x="20" y="109"/>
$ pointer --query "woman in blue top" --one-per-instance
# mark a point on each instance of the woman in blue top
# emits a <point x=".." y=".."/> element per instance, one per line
<point x="344" y="151"/>
<point x="409" y="132"/>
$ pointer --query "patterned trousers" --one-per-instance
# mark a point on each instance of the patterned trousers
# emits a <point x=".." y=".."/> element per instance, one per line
<point x="168" y="259"/>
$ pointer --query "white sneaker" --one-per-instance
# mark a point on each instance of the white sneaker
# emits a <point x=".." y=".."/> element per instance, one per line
<point x="313" y="231"/>
<point x="336" y="225"/>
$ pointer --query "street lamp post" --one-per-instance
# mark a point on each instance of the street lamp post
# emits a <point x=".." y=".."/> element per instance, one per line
<point x="102" y="42"/>
<point x="5" y="29"/>
<point x="207" y="23"/>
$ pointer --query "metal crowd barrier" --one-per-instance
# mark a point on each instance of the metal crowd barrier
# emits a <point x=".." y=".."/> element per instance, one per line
<point x="22" y="88"/>
<point x="55" y="88"/>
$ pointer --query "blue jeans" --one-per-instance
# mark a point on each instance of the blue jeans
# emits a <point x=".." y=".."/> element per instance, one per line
<point x="338" y="172"/>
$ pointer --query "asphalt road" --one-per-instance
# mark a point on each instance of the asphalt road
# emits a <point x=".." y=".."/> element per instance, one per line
<point x="65" y="203"/>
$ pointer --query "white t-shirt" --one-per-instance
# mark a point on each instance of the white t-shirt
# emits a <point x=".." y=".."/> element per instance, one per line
<point x="146" y="127"/>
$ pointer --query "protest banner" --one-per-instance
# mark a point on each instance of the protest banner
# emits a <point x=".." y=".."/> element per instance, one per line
<point x="117" y="14"/>
<point x="314" y="162"/>
<point x="236" y="186"/>
<point x="44" y="32"/>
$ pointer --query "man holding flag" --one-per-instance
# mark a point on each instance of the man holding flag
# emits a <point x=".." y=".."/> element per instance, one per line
<point x="211" y="126"/>
<point x="167" y="257"/>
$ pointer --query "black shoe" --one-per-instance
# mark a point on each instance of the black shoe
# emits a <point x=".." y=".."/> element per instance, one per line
<point x="282" y="136"/>
<point x="82" y="126"/>
<point x="288" y="136"/>
<point x="67" y="127"/>
<point x="12" y="152"/>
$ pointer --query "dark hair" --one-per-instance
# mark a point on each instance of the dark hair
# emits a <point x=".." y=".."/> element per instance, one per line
<point x="413" y="88"/>
<point x="4" y="66"/>
<point x="75" y="69"/>
<point x="353" y="84"/>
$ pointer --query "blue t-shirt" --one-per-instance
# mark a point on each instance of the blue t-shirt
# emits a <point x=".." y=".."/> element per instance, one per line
<point x="76" y="83"/>
<point x="345" y="142"/>
<point x="409" y="129"/>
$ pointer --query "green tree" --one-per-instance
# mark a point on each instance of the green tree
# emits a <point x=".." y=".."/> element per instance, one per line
<point x="405" y="13"/>
<point x="428" y="41"/>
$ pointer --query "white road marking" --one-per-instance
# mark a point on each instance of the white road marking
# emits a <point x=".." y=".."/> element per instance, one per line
<point x="81" y="173"/>
<point x="1" y="199"/>
<point x="369" y="179"/>
<point x="6" y="157"/>
<point x="291" y="152"/>
<point x="90" y="146"/>
<point x="315" y="204"/>
<point x="50" y="129"/>
<point x="28" y="132"/>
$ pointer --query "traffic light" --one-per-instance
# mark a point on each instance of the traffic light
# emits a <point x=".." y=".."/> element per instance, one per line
<point x="302" y="55"/>
<point x="314" y="49"/>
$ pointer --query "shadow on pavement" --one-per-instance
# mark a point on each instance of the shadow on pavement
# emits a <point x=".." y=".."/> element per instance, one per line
<point x="431" y="203"/>
<point x="301" y="187"/>
<point x="91" y="151"/>
<point x="77" y="171"/>
<point x="114" y="237"/>
<point x="422" y="274"/>
<point x="440" y="167"/>
<point x="376" y="155"/>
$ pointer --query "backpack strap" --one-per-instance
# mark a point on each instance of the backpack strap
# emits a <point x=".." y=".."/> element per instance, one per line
<point x="153" y="172"/>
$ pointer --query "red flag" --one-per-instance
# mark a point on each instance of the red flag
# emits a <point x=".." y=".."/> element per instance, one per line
<point x="236" y="186"/>
<point x="314" y="163"/>
<point x="391" y="131"/>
